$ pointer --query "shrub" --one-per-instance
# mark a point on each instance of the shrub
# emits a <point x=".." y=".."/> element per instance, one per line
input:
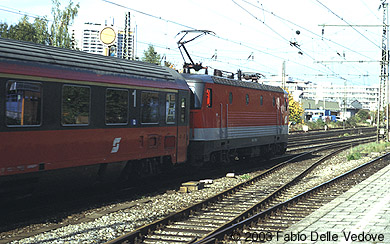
<point x="354" y="156"/>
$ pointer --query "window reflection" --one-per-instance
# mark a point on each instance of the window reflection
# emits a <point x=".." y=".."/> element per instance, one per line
<point x="149" y="107"/>
<point x="23" y="103"/>
<point x="75" y="105"/>
<point x="171" y="108"/>
<point x="117" y="103"/>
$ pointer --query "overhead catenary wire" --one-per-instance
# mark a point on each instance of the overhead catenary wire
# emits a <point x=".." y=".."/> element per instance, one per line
<point x="200" y="55"/>
<point x="375" y="15"/>
<point x="150" y="15"/>
<point x="292" y="44"/>
<point x="15" y="11"/>
<point x="257" y="49"/>
<point x="350" y="25"/>
<point x="217" y="36"/>
<point x="313" y="33"/>
<point x="305" y="29"/>
<point x="232" y="41"/>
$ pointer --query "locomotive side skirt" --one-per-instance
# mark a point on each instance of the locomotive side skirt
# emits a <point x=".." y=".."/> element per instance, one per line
<point x="210" y="134"/>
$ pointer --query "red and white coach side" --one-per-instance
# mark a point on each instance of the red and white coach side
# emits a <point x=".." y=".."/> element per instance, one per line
<point x="235" y="119"/>
<point x="70" y="114"/>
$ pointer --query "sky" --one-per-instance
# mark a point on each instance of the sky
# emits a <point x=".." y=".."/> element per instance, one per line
<point x="251" y="35"/>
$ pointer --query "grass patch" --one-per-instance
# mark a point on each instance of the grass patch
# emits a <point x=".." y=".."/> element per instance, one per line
<point x="245" y="177"/>
<point x="354" y="156"/>
<point x="358" y="151"/>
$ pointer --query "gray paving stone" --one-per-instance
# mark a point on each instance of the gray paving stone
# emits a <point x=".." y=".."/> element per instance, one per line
<point x="364" y="208"/>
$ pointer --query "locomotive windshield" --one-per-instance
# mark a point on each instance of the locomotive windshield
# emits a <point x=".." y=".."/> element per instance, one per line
<point x="197" y="93"/>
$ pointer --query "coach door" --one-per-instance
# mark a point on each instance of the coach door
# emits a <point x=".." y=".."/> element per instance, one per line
<point x="182" y="128"/>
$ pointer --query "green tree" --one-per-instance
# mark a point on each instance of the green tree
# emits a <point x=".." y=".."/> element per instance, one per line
<point x="4" y="30"/>
<point x="151" y="56"/>
<point x="25" y="31"/>
<point x="39" y="32"/>
<point x="362" y="115"/>
<point x="40" y="26"/>
<point x="59" y="30"/>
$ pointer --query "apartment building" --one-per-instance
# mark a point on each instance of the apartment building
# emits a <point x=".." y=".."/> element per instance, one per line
<point x="365" y="95"/>
<point x="88" y="38"/>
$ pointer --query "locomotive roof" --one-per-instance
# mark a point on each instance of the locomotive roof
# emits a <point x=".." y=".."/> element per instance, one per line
<point x="18" y="51"/>
<point x="232" y="82"/>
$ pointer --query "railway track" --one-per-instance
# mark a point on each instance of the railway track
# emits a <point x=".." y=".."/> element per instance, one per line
<point x="314" y="140"/>
<point x="223" y="210"/>
<point x="193" y="210"/>
<point x="267" y="225"/>
<point x="330" y="132"/>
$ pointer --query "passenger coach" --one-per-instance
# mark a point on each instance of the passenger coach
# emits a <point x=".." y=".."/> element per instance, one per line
<point x="65" y="113"/>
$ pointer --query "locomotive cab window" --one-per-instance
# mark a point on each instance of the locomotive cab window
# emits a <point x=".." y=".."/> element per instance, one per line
<point x="75" y="105"/>
<point x="171" y="109"/>
<point x="247" y="99"/>
<point x="273" y="101"/>
<point x="197" y="93"/>
<point x="261" y="100"/>
<point x="149" y="108"/>
<point x="23" y="103"/>
<point x="117" y="106"/>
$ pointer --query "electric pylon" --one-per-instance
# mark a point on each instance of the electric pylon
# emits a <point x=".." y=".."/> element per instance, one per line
<point x="383" y="100"/>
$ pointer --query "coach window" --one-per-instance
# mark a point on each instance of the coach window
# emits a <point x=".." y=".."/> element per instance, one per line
<point x="273" y="101"/>
<point x="183" y="105"/>
<point x="149" y="108"/>
<point x="23" y="103"/>
<point x="247" y="99"/>
<point x="171" y="109"/>
<point x="230" y="98"/>
<point x="75" y="105"/>
<point x="261" y="100"/>
<point x="117" y="106"/>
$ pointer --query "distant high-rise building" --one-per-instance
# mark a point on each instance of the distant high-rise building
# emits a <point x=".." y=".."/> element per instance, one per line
<point x="120" y="47"/>
<point x="88" y="38"/>
<point x="127" y="49"/>
<point x="91" y="38"/>
<point x="367" y="96"/>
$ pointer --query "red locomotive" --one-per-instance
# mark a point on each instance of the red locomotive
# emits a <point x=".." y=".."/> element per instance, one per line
<point x="70" y="116"/>
<point x="233" y="119"/>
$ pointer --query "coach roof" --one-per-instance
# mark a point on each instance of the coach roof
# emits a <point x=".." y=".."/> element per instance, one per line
<point x="12" y="50"/>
